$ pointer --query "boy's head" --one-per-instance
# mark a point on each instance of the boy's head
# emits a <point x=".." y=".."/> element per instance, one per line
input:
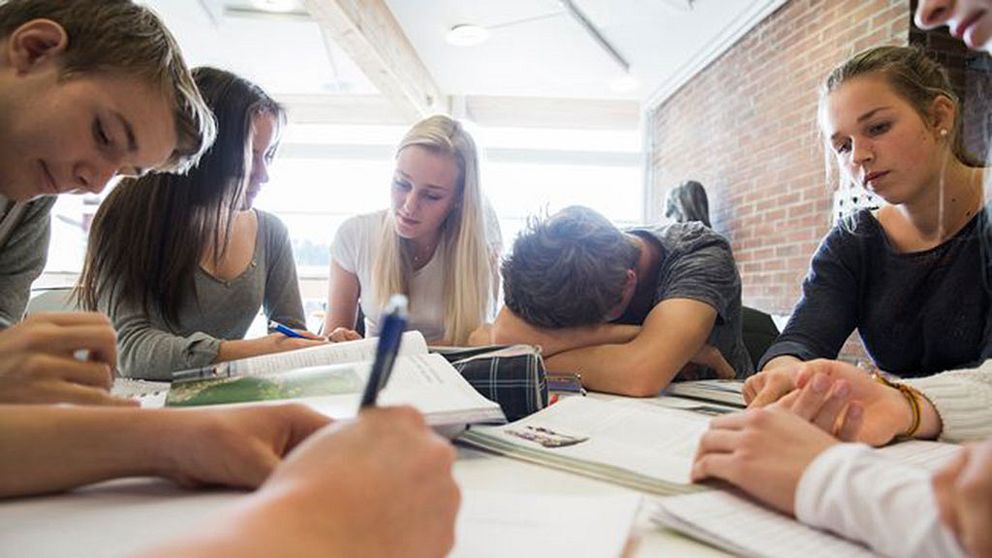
<point x="571" y="269"/>
<point x="90" y="89"/>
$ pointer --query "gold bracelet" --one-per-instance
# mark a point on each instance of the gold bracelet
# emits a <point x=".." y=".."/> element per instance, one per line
<point x="910" y="393"/>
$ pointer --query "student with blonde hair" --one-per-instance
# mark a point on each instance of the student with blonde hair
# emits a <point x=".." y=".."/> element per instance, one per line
<point x="438" y="243"/>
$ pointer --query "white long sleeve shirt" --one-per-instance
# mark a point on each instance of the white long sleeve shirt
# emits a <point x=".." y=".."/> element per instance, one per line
<point x="963" y="399"/>
<point x="852" y="491"/>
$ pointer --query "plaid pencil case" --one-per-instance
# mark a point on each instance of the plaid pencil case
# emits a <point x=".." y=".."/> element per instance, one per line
<point x="512" y="376"/>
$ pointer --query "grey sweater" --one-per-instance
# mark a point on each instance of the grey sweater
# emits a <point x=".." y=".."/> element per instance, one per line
<point x="220" y="310"/>
<point x="23" y="254"/>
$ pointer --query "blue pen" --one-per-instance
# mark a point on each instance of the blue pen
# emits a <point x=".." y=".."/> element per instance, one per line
<point x="390" y="335"/>
<point x="284" y="329"/>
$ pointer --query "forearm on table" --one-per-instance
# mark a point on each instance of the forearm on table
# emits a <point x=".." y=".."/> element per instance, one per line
<point x="555" y="341"/>
<point x="854" y="492"/>
<point x="618" y="368"/>
<point x="152" y="354"/>
<point x="49" y="449"/>
<point x="238" y="349"/>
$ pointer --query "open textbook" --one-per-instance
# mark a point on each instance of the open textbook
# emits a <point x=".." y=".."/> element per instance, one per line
<point x="640" y="445"/>
<point x="330" y="379"/>
<point x="744" y="527"/>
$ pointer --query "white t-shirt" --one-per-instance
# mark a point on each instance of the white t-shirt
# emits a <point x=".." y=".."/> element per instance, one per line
<point x="354" y="249"/>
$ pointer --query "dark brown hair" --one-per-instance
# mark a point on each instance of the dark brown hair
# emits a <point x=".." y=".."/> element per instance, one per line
<point x="149" y="235"/>
<point x="568" y="269"/>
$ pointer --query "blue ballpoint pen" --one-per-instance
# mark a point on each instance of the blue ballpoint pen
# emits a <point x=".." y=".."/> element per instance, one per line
<point x="393" y="325"/>
<point x="284" y="329"/>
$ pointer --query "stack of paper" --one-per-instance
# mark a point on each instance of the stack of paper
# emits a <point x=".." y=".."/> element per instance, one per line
<point x="635" y="444"/>
<point x="726" y="392"/>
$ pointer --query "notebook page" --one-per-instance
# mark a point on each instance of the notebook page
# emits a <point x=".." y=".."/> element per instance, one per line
<point x="646" y="439"/>
<point x="413" y="343"/>
<point x="148" y="394"/>
<point x="743" y="527"/>
<point x="499" y="524"/>
<point x="427" y="382"/>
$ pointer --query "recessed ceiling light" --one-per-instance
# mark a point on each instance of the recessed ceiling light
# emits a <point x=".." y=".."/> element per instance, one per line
<point x="276" y="5"/>
<point x="466" y="34"/>
<point x="625" y="84"/>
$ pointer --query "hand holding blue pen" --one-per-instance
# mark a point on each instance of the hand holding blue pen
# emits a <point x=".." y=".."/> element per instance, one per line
<point x="284" y="329"/>
<point x="390" y="335"/>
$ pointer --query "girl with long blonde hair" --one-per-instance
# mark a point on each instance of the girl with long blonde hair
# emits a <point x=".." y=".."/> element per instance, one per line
<point x="437" y="243"/>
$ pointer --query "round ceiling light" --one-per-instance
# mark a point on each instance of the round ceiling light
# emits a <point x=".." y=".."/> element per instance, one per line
<point x="466" y="34"/>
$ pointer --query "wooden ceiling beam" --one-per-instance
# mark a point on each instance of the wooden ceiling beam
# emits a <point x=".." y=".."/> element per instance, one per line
<point x="367" y="31"/>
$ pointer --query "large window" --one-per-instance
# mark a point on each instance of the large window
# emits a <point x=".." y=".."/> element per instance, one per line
<point x="325" y="174"/>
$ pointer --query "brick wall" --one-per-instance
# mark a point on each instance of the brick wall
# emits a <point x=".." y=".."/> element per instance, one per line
<point x="746" y="128"/>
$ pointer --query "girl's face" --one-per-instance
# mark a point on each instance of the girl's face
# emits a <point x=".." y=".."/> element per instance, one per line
<point x="970" y="20"/>
<point x="424" y="191"/>
<point x="880" y="141"/>
<point x="264" y="140"/>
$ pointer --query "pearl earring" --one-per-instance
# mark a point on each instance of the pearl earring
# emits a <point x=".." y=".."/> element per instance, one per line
<point x="943" y="132"/>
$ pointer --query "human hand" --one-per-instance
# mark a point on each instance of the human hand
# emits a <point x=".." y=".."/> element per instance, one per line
<point x="771" y="384"/>
<point x="844" y="400"/>
<point x="380" y="486"/>
<point x="963" y="490"/>
<point x="343" y="334"/>
<point x="711" y="357"/>
<point x="38" y="364"/>
<point x="279" y="343"/>
<point x="482" y="336"/>
<point x="762" y="451"/>
<point x="307" y="335"/>
<point x="236" y="446"/>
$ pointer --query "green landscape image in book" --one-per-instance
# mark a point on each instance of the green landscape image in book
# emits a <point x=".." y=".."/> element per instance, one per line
<point x="315" y="381"/>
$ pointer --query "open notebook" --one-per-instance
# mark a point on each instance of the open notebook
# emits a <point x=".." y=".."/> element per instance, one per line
<point x="742" y="526"/>
<point x="330" y="379"/>
<point x="625" y="441"/>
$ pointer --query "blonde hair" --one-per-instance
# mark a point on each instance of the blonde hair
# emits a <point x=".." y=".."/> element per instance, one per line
<point x="118" y="38"/>
<point x="469" y="285"/>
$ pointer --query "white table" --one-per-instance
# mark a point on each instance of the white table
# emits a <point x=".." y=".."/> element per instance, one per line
<point x="115" y="518"/>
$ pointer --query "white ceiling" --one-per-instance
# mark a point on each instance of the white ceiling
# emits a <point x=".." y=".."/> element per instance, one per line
<point x="555" y="56"/>
<point x="538" y="57"/>
<point x="284" y="54"/>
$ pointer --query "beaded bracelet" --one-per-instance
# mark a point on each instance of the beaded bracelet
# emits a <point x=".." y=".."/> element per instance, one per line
<point x="910" y="393"/>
